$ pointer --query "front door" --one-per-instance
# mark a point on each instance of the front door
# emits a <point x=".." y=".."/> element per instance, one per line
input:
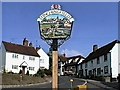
<point x="23" y="70"/>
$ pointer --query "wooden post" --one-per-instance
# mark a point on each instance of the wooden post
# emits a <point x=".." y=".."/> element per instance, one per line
<point x="55" y="70"/>
<point x="55" y="65"/>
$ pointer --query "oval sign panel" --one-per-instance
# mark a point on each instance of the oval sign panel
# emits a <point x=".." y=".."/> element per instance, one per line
<point x="55" y="23"/>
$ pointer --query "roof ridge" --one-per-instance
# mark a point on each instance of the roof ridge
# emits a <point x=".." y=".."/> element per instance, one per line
<point x="113" y="42"/>
<point x="17" y="44"/>
<point x="21" y="49"/>
<point x="102" y="50"/>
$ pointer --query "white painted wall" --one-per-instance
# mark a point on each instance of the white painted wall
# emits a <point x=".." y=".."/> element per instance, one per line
<point x="61" y="68"/>
<point x="18" y="61"/>
<point x="114" y="60"/>
<point x="44" y="58"/>
<point x="78" y="68"/>
<point x="95" y="65"/>
<point x="8" y="61"/>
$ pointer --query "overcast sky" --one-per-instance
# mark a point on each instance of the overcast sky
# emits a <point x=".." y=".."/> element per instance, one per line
<point x="95" y="23"/>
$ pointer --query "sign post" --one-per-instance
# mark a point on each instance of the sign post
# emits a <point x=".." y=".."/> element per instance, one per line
<point x="55" y="28"/>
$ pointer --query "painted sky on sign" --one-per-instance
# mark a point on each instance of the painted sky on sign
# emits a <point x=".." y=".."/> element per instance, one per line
<point x="95" y="23"/>
<point x="55" y="16"/>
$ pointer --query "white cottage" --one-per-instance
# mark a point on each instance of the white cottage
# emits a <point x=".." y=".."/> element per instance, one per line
<point x="16" y="58"/>
<point x="44" y="59"/>
<point x="102" y="62"/>
<point x="69" y="63"/>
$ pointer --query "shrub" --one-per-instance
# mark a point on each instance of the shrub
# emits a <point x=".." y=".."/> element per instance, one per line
<point x="27" y="72"/>
<point x="10" y="72"/>
<point x="47" y="72"/>
<point x="40" y="73"/>
<point x="20" y="72"/>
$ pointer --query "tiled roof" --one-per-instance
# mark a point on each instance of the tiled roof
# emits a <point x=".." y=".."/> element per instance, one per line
<point x="101" y="51"/>
<point x="20" y="49"/>
<point x="72" y="63"/>
<point x="73" y="57"/>
<point x="62" y="58"/>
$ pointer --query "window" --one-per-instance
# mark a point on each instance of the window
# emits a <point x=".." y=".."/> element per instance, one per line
<point x="14" y="56"/>
<point x="94" y="71"/>
<point x="105" y="57"/>
<point x="23" y="57"/>
<point x="31" y="68"/>
<point x="80" y="66"/>
<point x="14" y="66"/>
<point x="41" y="60"/>
<point x="105" y="69"/>
<point x="90" y="72"/>
<point x="92" y="63"/>
<point x="98" y="60"/>
<point x="31" y="58"/>
<point x="85" y="65"/>
<point x="98" y="71"/>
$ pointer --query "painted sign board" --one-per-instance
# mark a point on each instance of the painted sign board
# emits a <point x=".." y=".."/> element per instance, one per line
<point x="55" y="23"/>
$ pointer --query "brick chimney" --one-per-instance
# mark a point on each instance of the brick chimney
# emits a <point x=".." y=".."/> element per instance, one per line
<point x="95" y="47"/>
<point x="25" y="42"/>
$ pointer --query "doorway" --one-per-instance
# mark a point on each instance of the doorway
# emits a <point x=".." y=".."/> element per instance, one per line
<point x="23" y="69"/>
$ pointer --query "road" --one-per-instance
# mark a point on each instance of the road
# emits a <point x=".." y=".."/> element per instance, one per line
<point x="64" y="84"/>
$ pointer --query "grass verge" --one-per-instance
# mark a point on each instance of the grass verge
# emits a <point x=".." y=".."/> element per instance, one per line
<point x="15" y="79"/>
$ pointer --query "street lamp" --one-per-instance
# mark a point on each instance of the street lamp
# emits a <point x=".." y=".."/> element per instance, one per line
<point x="55" y="28"/>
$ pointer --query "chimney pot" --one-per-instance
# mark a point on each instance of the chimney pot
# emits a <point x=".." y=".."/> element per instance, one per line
<point x="25" y="42"/>
<point x="95" y="47"/>
<point x="30" y="44"/>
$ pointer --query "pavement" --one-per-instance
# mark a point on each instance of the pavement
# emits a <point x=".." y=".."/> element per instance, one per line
<point x="105" y="85"/>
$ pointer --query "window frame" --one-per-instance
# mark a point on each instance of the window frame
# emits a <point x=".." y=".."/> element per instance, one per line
<point x="31" y="68"/>
<point x="106" y="70"/>
<point x="98" y="71"/>
<point x="86" y="65"/>
<point x="98" y="60"/>
<point x="14" y="66"/>
<point x="105" y="58"/>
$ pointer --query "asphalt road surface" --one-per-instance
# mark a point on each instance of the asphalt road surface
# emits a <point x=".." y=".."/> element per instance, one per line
<point x="64" y="84"/>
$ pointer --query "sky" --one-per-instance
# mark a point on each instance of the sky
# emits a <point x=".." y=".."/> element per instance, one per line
<point x="95" y="23"/>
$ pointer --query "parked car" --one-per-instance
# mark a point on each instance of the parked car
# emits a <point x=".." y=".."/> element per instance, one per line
<point x="69" y="73"/>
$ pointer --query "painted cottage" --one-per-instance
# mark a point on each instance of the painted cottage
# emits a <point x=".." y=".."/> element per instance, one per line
<point x="25" y="58"/>
<point x="102" y="62"/>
